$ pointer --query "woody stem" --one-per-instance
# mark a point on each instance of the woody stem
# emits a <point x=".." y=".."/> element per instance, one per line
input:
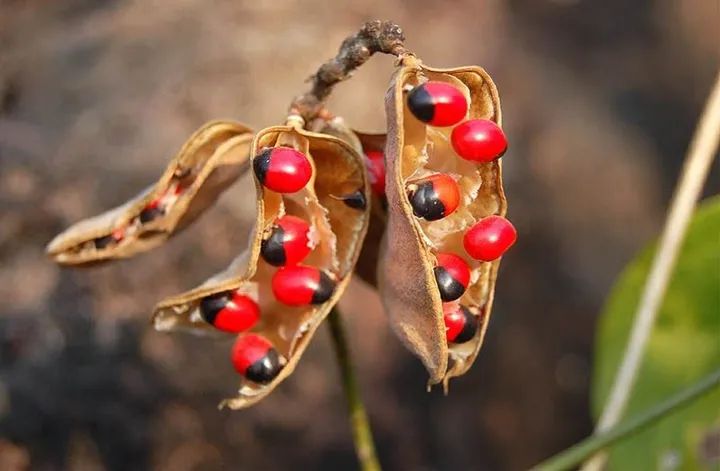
<point x="362" y="433"/>
<point x="374" y="36"/>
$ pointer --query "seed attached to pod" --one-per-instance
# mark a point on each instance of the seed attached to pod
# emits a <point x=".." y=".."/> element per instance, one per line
<point x="282" y="169"/>
<point x="254" y="357"/>
<point x="355" y="200"/>
<point x="489" y="238"/>
<point x="479" y="140"/>
<point x="435" y="197"/>
<point x="230" y="311"/>
<point x="152" y="211"/>
<point x="288" y="243"/>
<point x="461" y="324"/>
<point x="452" y="275"/>
<point x="375" y="163"/>
<point x="300" y="285"/>
<point x="116" y="236"/>
<point x="437" y="104"/>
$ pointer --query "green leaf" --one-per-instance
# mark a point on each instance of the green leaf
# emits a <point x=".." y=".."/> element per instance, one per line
<point x="684" y="347"/>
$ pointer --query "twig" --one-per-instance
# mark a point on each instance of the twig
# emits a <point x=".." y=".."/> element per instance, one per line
<point x="374" y="36"/>
<point x="572" y="456"/>
<point x="697" y="165"/>
<point x="362" y="434"/>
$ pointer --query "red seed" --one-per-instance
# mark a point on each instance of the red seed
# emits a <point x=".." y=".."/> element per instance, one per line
<point x="452" y="274"/>
<point x="375" y="163"/>
<point x="282" y="169"/>
<point x="254" y="357"/>
<point x="288" y="243"/>
<point x="460" y="323"/>
<point x="300" y="285"/>
<point x="479" y="140"/>
<point x="230" y="311"/>
<point x="489" y="238"/>
<point x="435" y="197"/>
<point x="437" y="104"/>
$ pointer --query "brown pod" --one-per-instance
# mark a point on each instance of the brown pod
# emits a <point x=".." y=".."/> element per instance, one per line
<point x="371" y="146"/>
<point x="211" y="160"/>
<point x="337" y="232"/>
<point x="416" y="150"/>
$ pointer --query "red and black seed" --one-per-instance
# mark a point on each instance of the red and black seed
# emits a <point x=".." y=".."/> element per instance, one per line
<point x="300" y="285"/>
<point x="151" y="212"/>
<point x="282" y="169"/>
<point x="452" y="274"/>
<point x="105" y="241"/>
<point x="460" y="322"/>
<point x="437" y="104"/>
<point x="230" y="311"/>
<point x="435" y="197"/>
<point x="254" y="357"/>
<point x="288" y="242"/>
<point x="355" y="200"/>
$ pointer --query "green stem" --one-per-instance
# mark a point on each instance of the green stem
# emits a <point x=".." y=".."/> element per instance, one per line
<point x="574" y="455"/>
<point x="362" y="434"/>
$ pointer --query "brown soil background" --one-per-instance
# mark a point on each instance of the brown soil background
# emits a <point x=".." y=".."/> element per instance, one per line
<point x="599" y="103"/>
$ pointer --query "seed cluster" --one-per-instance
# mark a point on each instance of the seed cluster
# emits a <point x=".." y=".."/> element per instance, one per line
<point x="436" y="182"/>
<point x="287" y="243"/>
<point x="435" y="197"/>
<point x="209" y="162"/>
<point x="153" y="210"/>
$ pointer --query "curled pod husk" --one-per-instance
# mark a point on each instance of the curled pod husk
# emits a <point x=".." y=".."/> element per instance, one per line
<point x="369" y="145"/>
<point x="337" y="233"/>
<point x="367" y="266"/>
<point x="211" y="160"/>
<point x="407" y="284"/>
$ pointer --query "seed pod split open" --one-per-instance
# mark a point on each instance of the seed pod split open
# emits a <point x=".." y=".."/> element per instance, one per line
<point x="337" y="230"/>
<point x="211" y="160"/>
<point x="416" y="151"/>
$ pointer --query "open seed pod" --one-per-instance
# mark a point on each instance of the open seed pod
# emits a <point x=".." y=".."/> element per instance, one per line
<point x="372" y="147"/>
<point x="420" y="151"/>
<point x="211" y="160"/>
<point x="332" y="203"/>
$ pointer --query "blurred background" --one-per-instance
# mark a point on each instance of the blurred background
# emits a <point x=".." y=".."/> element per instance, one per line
<point x="599" y="102"/>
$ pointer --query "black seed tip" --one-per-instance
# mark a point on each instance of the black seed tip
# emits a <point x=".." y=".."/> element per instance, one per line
<point x="211" y="305"/>
<point x="450" y="289"/>
<point x="273" y="249"/>
<point x="102" y="242"/>
<point x="355" y="200"/>
<point x="426" y="204"/>
<point x="326" y="287"/>
<point x="421" y="104"/>
<point x="265" y="369"/>
<point x="470" y="327"/>
<point x="261" y="164"/>
<point x="149" y="214"/>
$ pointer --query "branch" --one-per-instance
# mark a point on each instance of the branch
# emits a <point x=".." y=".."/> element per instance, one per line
<point x="577" y="453"/>
<point x="697" y="165"/>
<point x="362" y="434"/>
<point x="374" y="36"/>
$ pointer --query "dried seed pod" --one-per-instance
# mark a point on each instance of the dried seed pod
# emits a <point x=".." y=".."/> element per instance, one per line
<point x="408" y="284"/>
<point x="211" y="160"/>
<point x="336" y="233"/>
<point x="373" y="145"/>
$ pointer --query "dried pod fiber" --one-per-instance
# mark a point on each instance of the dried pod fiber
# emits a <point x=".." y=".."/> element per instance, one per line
<point x="415" y="150"/>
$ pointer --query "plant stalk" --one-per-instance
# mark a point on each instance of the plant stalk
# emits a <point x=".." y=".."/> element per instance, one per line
<point x="374" y="36"/>
<point x="361" y="431"/>
<point x="699" y="158"/>
<point x="574" y="455"/>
